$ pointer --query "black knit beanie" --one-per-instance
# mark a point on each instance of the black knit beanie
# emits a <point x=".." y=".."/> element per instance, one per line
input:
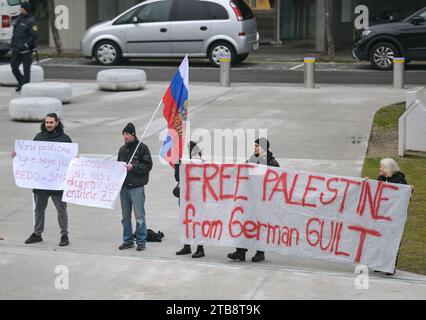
<point x="130" y="129"/>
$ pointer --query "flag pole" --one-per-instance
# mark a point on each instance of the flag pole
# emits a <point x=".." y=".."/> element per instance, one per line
<point x="146" y="130"/>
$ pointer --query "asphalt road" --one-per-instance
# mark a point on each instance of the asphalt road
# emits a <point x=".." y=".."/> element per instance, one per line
<point x="251" y="72"/>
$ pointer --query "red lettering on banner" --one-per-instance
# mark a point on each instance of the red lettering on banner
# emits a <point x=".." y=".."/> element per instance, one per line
<point x="232" y="223"/>
<point x="333" y="190"/>
<point x="281" y="180"/>
<point x="206" y="181"/>
<point x="363" y="234"/>
<point x="251" y="229"/>
<point x="293" y="186"/>
<point x="187" y="220"/>
<point x="380" y="199"/>
<point x="211" y="229"/>
<point x="223" y="178"/>
<point x="337" y="252"/>
<point x="309" y="188"/>
<point x="319" y="233"/>
<point x="374" y="203"/>
<point x="189" y="179"/>
<point x="266" y="180"/>
<point x="348" y="183"/>
<point x="241" y="178"/>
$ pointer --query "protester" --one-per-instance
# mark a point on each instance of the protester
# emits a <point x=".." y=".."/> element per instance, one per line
<point x="262" y="156"/>
<point x="194" y="153"/>
<point x="52" y="130"/>
<point x="24" y="42"/>
<point x="390" y="172"/>
<point x="133" y="191"/>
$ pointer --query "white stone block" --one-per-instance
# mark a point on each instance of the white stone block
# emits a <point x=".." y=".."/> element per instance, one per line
<point x="121" y="79"/>
<point x="34" y="108"/>
<point x="8" y="79"/>
<point x="58" y="90"/>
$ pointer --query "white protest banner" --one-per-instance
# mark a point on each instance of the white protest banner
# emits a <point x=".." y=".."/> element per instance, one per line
<point x="303" y="214"/>
<point x="42" y="165"/>
<point x="94" y="183"/>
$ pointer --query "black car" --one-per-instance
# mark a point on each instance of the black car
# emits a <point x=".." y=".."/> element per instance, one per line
<point x="380" y="43"/>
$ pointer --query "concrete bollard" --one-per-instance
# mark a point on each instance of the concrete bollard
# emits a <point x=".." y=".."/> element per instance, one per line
<point x="225" y="69"/>
<point x="309" y="73"/>
<point x="398" y="73"/>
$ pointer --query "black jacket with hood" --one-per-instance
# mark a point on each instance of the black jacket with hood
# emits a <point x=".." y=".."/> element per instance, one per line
<point x="142" y="164"/>
<point x="267" y="160"/>
<point x="24" y="38"/>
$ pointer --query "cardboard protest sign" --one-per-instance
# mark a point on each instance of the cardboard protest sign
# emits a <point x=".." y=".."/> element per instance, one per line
<point x="42" y="165"/>
<point x="304" y="214"/>
<point x="94" y="183"/>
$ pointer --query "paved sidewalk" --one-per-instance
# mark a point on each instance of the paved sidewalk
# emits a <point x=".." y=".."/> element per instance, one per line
<point x="324" y="130"/>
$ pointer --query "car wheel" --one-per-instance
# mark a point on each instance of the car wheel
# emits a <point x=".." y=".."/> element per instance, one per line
<point x="107" y="53"/>
<point x="3" y="52"/>
<point x="217" y="48"/>
<point x="382" y="54"/>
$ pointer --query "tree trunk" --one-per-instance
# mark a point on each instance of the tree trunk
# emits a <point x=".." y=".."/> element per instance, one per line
<point x="55" y="31"/>
<point x="329" y="29"/>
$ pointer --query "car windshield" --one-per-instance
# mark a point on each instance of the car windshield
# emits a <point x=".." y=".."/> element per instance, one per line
<point x="421" y="13"/>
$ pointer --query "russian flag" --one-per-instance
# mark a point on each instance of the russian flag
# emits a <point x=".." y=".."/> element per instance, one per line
<point x="175" y="111"/>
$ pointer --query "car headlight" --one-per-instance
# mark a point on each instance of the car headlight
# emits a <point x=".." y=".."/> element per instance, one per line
<point x="366" y="32"/>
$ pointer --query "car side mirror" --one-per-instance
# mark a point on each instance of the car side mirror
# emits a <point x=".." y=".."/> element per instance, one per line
<point x="418" y="21"/>
<point x="135" y="19"/>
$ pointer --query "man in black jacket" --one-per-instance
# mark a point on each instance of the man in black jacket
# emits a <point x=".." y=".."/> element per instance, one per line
<point x="52" y="130"/>
<point x="263" y="156"/>
<point x="24" y="41"/>
<point x="133" y="191"/>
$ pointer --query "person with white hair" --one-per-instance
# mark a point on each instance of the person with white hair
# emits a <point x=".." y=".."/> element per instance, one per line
<point x="390" y="172"/>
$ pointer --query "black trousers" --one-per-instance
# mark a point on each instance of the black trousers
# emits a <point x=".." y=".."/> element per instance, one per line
<point x="26" y="59"/>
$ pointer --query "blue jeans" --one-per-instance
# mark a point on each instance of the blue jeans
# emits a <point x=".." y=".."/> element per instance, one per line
<point x="133" y="198"/>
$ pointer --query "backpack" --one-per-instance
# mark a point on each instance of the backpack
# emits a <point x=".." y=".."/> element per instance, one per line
<point x="154" y="237"/>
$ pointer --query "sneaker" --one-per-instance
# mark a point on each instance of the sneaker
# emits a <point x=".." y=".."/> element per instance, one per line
<point x="140" y="247"/>
<point x="259" y="257"/>
<point x="198" y="254"/>
<point x="185" y="250"/>
<point x="65" y="241"/>
<point x="126" y="246"/>
<point x="34" y="239"/>
<point x="237" y="255"/>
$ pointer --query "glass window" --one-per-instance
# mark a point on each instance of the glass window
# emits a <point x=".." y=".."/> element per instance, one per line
<point x="128" y="17"/>
<point x="423" y="14"/>
<point x="13" y="2"/>
<point x="217" y="12"/>
<point x="192" y="10"/>
<point x="244" y="8"/>
<point x="155" y="12"/>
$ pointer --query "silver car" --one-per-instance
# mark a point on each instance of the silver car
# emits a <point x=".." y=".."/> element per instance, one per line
<point x="174" y="28"/>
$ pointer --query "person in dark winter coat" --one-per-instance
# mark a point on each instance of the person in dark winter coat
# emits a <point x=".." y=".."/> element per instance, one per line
<point x="132" y="194"/>
<point x="262" y="155"/>
<point x="24" y="42"/>
<point x="52" y="130"/>
<point x="390" y="172"/>
<point x="194" y="153"/>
